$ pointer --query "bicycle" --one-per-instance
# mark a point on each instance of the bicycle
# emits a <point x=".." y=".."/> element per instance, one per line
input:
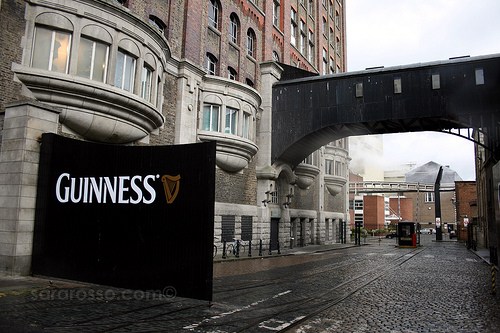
<point x="215" y="249"/>
<point x="235" y="248"/>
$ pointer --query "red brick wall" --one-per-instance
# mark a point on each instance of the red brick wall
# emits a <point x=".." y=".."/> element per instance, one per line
<point x="402" y="206"/>
<point x="373" y="212"/>
<point x="466" y="200"/>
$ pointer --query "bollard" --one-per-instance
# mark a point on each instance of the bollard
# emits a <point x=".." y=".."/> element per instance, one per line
<point x="237" y="254"/>
<point x="224" y="249"/>
<point x="250" y="248"/>
<point x="260" y="248"/>
<point x="493" y="279"/>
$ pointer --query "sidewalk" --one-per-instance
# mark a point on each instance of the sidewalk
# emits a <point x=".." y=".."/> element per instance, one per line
<point x="483" y="254"/>
<point x="244" y="255"/>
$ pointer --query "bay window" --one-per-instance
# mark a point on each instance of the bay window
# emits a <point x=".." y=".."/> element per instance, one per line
<point x="231" y="120"/>
<point x="51" y="50"/>
<point x="92" y="60"/>
<point x="211" y="117"/>
<point x="146" y="83"/>
<point x="125" y="71"/>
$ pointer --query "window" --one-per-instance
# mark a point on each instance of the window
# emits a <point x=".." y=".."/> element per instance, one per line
<point x="310" y="7"/>
<point x="398" y="89"/>
<point x="246" y="228"/>
<point x="338" y="46"/>
<point x="146" y="83"/>
<point x="293" y="27"/>
<point x="329" y="167"/>
<point x="337" y="19"/>
<point x="276" y="13"/>
<point x="157" y="23"/>
<point x="92" y="60"/>
<point x="310" y="55"/>
<point x="246" y="125"/>
<point x="233" y="28"/>
<point x="123" y="2"/>
<point x="479" y="73"/>
<point x="436" y="81"/>
<point x="231" y="120"/>
<point x="429" y="196"/>
<point x="325" y="62"/>
<point x="211" y="116"/>
<point x="249" y="82"/>
<point x="231" y="73"/>
<point x="311" y="159"/>
<point x="276" y="56"/>
<point x="211" y="64"/>
<point x="324" y="28"/>
<point x="213" y="14"/>
<point x="51" y="50"/>
<point x="125" y="70"/>
<point x="250" y="43"/>
<point x="303" y="37"/>
<point x="338" y="168"/>
<point x="332" y="66"/>
<point x="330" y="9"/>
<point x="228" y="228"/>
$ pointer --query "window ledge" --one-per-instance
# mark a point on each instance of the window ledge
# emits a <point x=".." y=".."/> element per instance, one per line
<point x="334" y="184"/>
<point x="306" y="173"/>
<point x="94" y="110"/>
<point x="233" y="152"/>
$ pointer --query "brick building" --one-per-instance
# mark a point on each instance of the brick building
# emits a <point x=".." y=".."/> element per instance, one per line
<point x="466" y="207"/>
<point x="134" y="72"/>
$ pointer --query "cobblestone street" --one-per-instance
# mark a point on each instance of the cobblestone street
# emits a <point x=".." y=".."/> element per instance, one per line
<point x="377" y="287"/>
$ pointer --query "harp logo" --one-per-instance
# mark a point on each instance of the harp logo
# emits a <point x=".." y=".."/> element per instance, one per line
<point x="171" y="186"/>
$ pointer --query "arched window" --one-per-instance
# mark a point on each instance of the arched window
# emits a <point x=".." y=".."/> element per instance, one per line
<point x="276" y="57"/>
<point x="211" y="64"/>
<point x="52" y="43"/>
<point x="251" y="43"/>
<point x="213" y="14"/>
<point x="233" y="28"/>
<point x="232" y="74"/>
<point x="249" y="82"/>
<point x="157" y="23"/>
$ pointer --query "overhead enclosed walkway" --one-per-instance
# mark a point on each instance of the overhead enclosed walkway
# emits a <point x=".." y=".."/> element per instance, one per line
<point x="459" y="93"/>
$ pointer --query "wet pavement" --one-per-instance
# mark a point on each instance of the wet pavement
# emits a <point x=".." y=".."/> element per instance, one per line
<point x="377" y="287"/>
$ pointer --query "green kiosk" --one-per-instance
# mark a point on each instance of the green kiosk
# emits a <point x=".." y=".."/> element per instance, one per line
<point x="407" y="234"/>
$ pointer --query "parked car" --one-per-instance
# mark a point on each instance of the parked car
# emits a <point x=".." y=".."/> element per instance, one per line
<point x="426" y="231"/>
<point x="453" y="234"/>
<point x="391" y="235"/>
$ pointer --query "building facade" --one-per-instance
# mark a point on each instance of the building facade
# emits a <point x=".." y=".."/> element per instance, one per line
<point x="132" y="72"/>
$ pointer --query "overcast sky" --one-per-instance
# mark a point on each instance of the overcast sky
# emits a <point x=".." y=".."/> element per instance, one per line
<point x="401" y="32"/>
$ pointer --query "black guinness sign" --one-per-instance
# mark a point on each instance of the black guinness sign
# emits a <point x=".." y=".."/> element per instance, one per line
<point x="126" y="216"/>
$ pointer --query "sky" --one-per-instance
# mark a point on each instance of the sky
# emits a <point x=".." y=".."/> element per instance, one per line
<point x="401" y="32"/>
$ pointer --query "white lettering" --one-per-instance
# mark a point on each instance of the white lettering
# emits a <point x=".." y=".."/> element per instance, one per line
<point x="122" y="189"/>
<point x="117" y="189"/>
<point x="94" y="188"/>
<point x="136" y="189"/>
<point x="149" y="189"/>
<point x="111" y="189"/>
<point x="65" y="197"/>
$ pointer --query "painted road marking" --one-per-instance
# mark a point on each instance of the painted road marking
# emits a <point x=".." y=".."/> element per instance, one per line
<point x="228" y="313"/>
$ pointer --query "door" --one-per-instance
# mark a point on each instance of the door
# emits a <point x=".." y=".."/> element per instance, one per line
<point x="274" y="233"/>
